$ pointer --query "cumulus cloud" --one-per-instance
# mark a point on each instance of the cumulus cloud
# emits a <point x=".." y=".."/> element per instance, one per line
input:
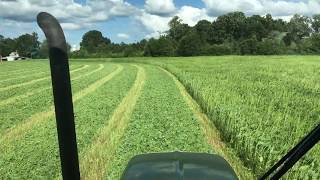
<point x="75" y="47"/>
<point x="160" y="7"/>
<point x="154" y="23"/>
<point x="71" y="14"/>
<point x="274" y="7"/>
<point x="153" y="18"/>
<point x="123" y="35"/>
<point x="158" y="25"/>
<point x="191" y="15"/>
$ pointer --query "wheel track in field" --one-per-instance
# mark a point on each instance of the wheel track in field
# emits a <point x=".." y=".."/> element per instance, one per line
<point x="22" y="128"/>
<point x="95" y="163"/>
<point x="211" y="132"/>
<point x="38" y="80"/>
<point x="19" y="97"/>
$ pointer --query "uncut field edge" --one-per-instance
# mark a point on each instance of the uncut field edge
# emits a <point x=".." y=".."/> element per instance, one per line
<point x="211" y="132"/>
<point x="19" y="130"/>
<point x="95" y="164"/>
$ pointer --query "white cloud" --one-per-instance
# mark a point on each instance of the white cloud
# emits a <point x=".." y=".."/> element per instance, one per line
<point x="160" y="7"/>
<point x="71" y="26"/>
<point x="18" y="16"/>
<point x="71" y="14"/>
<point x="123" y="35"/>
<point x="191" y="15"/>
<point x="153" y="23"/>
<point x="284" y="18"/>
<point x="155" y="35"/>
<point x="274" y="7"/>
<point x="157" y="24"/>
<point x="75" y="47"/>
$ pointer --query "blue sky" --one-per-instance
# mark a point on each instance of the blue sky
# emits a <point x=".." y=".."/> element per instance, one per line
<point x="132" y="20"/>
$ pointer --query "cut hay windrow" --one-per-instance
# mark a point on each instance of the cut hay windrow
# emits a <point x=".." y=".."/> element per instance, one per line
<point x="27" y="75"/>
<point x="44" y="162"/>
<point x="41" y="84"/>
<point x="24" y="77"/>
<point x="42" y="101"/>
<point x="96" y="160"/>
<point x="251" y="110"/>
<point x="160" y="122"/>
<point x="21" y="97"/>
<point x="26" y="95"/>
<point x="101" y="66"/>
<point x="37" y="80"/>
<point x="19" y="72"/>
<point x="21" y="128"/>
<point x="21" y="69"/>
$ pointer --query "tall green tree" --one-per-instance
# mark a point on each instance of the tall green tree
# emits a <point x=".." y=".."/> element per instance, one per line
<point x="190" y="45"/>
<point x="257" y="26"/>
<point x="177" y="29"/>
<point x="27" y="45"/>
<point x="43" y="50"/>
<point x="7" y="45"/>
<point x="204" y="30"/>
<point x="298" y="28"/>
<point x="93" y="40"/>
<point x="249" y="46"/>
<point x="1" y="45"/>
<point x="231" y="25"/>
<point x="270" y="47"/>
<point x="159" y="47"/>
<point x="316" y="23"/>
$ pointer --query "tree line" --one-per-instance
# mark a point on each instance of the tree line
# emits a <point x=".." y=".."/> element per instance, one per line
<point x="237" y="34"/>
<point x="27" y="45"/>
<point x="230" y="34"/>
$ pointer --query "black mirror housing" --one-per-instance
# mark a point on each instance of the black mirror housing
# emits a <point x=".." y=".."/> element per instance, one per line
<point x="178" y="165"/>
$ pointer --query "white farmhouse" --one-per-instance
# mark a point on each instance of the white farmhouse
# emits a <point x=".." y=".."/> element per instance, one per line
<point x="13" y="56"/>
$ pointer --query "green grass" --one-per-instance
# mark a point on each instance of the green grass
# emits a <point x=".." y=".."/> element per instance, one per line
<point x="8" y="93"/>
<point x="262" y="107"/>
<point x="22" y="67"/>
<point x="25" y="107"/>
<point x="36" y="154"/>
<point x="28" y="76"/>
<point x="161" y="122"/>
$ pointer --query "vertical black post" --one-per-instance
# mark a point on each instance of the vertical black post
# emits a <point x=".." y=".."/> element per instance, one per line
<point x="62" y="95"/>
<point x="289" y="160"/>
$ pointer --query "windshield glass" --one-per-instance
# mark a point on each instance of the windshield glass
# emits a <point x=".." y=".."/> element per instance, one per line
<point x="90" y="86"/>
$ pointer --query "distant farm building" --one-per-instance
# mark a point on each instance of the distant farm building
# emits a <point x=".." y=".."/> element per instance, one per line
<point x="13" y="57"/>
